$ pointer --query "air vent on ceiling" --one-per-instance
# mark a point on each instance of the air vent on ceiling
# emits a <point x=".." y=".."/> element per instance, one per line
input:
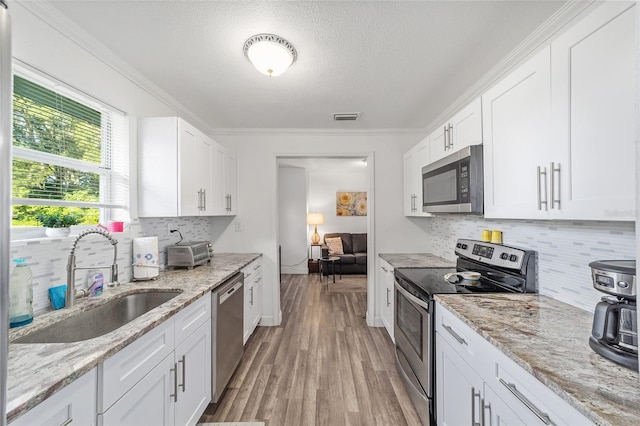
<point x="347" y="116"/>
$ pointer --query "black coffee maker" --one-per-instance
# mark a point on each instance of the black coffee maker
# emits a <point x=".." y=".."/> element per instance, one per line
<point x="614" y="334"/>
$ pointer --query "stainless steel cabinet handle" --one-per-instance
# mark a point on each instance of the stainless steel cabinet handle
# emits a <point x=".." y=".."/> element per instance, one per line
<point x="204" y="199"/>
<point x="473" y="406"/>
<point x="542" y="172"/>
<point x="454" y="334"/>
<point x="384" y="269"/>
<point x="445" y="137"/>
<point x="544" y="417"/>
<point x="175" y="382"/>
<point x="450" y="144"/>
<point x="251" y="300"/>
<point x="388" y="292"/>
<point x="553" y="170"/>
<point x="68" y="421"/>
<point x="184" y="363"/>
<point x="486" y="407"/>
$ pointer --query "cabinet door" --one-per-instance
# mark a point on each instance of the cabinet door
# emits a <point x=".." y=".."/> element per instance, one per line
<point x="217" y="201"/>
<point x="414" y="161"/>
<point x="439" y="142"/>
<point x="387" y="296"/>
<point x="248" y="311"/>
<point x="150" y="402"/>
<point x="188" y="163"/>
<point x="230" y="182"/>
<point x="75" y="404"/>
<point x="409" y="197"/>
<point x="458" y="388"/>
<point x="594" y="81"/>
<point x="516" y="120"/>
<point x="193" y="358"/>
<point x="466" y="127"/>
<point x="202" y="166"/>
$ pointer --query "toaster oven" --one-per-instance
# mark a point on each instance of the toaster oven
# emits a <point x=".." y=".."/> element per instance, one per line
<point x="189" y="254"/>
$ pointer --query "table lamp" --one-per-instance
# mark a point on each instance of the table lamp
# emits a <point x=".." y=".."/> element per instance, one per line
<point x="315" y="219"/>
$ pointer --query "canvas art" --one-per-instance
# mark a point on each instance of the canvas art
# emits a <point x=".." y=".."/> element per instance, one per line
<point x="351" y="203"/>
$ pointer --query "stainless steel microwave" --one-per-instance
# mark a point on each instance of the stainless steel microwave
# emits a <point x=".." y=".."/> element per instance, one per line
<point x="453" y="184"/>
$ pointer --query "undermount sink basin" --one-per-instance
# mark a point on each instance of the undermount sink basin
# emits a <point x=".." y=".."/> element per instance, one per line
<point x="100" y="320"/>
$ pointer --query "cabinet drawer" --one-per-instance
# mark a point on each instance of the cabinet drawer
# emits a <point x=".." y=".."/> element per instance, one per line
<point x="75" y="404"/>
<point x="526" y="394"/>
<point x="251" y="270"/>
<point x="462" y="339"/>
<point x="189" y="319"/>
<point x="126" y="368"/>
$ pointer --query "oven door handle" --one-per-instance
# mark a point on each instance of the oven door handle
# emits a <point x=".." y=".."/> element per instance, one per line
<point x="411" y="297"/>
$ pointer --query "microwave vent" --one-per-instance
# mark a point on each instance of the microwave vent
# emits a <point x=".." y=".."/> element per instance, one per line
<point x="348" y="116"/>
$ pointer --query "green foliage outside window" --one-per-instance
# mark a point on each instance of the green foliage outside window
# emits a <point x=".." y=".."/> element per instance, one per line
<point x="46" y="122"/>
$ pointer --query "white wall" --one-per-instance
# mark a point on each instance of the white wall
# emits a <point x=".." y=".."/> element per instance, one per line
<point x="323" y="185"/>
<point x="292" y="219"/>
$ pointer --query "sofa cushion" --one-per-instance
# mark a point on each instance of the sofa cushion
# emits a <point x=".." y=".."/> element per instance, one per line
<point x="359" y="243"/>
<point x="347" y="242"/>
<point x="347" y="259"/>
<point x="335" y="245"/>
<point x="361" y="258"/>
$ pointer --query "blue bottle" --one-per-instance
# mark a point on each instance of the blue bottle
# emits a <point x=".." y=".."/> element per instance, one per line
<point x="21" y="295"/>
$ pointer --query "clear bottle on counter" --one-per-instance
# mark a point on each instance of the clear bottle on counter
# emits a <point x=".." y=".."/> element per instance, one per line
<point x="21" y="294"/>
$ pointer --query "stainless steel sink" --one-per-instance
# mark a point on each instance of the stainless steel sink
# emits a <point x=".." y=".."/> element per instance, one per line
<point x="100" y="320"/>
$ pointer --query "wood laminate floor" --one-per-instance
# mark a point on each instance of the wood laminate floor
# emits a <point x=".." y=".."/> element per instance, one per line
<point x="322" y="366"/>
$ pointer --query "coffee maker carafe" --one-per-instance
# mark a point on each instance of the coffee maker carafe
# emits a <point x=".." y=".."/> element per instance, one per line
<point x="614" y="334"/>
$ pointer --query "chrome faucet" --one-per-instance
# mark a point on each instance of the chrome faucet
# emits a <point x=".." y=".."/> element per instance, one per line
<point x="71" y="265"/>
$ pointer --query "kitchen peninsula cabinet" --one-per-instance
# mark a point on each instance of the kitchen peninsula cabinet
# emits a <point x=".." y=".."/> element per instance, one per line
<point x="414" y="160"/>
<point x="386" y="295"/>
<point x="252" y="298"/>
<point x="559" y="131"/>
<point x="180" y="170"/>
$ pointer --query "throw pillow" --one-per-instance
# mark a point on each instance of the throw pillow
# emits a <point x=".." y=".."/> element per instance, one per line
<point x="335" y="245"/>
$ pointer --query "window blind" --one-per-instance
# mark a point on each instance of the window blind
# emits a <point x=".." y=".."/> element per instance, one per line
<point x="70" y="154"/>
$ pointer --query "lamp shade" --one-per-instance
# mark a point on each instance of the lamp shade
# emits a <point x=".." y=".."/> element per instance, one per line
<point x="315" y="218"/>
<point x="270" y="54"/>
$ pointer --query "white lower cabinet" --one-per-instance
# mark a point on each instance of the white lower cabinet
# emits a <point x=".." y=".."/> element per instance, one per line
<point x="477" y="384"/>
<point x="164" y="377"/>
<point x="74" y="404"/>
<point x="386" y="294"/>
<point x="252" y="298"/>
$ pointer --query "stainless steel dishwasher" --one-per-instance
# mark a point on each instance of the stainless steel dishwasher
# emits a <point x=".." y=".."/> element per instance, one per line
<point x="227" y="317"/>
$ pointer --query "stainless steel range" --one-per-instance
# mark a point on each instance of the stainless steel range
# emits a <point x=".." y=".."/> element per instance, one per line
<point x="481" y="267"/>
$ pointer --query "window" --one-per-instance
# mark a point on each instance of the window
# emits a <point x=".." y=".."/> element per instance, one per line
<point x="70" y="155"/>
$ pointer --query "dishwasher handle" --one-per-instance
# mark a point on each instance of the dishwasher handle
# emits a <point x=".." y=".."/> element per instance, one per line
<point x="225" y="291"/>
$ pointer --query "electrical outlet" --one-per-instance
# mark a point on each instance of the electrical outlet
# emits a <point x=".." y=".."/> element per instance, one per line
<point x="238" y="226"/>
<point x="169" y="228"/>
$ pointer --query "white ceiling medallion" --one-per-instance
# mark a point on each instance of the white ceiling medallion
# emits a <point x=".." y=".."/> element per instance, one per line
<point x="270" y="53"/>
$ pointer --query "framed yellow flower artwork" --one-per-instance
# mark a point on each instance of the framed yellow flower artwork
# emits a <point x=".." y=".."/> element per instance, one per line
<point x="351" y="203"/>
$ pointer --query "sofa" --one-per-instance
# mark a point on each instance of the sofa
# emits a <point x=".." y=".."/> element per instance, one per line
<point x="354" y="246"/>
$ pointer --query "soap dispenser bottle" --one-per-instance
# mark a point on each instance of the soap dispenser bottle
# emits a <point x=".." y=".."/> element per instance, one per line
<point x="21" y="295"/>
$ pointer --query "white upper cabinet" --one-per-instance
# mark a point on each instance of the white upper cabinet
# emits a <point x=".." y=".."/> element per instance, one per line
<point x="230" y="182"/>
<point x="516" y="118"/>
<point x="559" y="131"/>
<point x="462" y="130"/>
<point x="181" y="170"/>
<point x="593" y="80"/>
<point x="414" y="161"/>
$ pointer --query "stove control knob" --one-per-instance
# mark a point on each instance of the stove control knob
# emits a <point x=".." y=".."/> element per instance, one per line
<point x="513" y="258"/>
<point x="459" y="245"/>
<point x="504" y="256"/>
<point x="464" y="247"/>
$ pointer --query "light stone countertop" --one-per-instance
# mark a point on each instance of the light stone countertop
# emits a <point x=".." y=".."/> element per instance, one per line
<point x="36" y="371"/>
<point x="416" y="260"/>
<point x="550" y="340"/>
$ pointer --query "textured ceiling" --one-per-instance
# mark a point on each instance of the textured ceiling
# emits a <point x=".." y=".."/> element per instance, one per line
<point x="398" y="63"/>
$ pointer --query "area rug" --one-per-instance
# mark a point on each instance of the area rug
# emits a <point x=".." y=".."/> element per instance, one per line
<point x="348" y="284"/>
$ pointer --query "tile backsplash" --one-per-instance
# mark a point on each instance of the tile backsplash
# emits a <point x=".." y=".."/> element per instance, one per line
<point x="47" y="257"/>
<point x="564" y="248"/>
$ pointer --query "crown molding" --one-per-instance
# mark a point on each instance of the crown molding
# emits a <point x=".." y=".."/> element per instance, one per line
<point x="329" y="132"/>
<point x="66" y="27"/>
<point x="541" y="37"/>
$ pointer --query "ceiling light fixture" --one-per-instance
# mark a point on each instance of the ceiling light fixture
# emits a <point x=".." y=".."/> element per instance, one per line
<point x="270" y="53"/>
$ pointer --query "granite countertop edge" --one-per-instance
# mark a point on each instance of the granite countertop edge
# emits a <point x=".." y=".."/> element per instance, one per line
<point x="52" y="366"/>
<point x="538" y="371"/>
<point x="416" y="260"/>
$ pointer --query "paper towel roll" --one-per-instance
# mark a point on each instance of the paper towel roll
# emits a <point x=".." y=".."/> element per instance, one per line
<point x="145" y="258"/>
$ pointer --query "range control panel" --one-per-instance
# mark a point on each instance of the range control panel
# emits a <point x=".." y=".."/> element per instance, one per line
<point x="491" y="254"/>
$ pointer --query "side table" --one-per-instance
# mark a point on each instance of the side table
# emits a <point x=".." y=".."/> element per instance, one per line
<point x="324" y="267"/>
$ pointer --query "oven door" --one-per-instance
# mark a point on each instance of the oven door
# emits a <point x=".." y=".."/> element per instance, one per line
<point x="413" y="333"/>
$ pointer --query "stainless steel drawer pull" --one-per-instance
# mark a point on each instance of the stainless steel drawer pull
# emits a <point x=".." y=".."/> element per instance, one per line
<point x="68" y="421"/>
<point x="454" y="334"/>
<point x="184" y="363"/>
<point x="175" y="382"/>
<point x="544" y="417"/>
